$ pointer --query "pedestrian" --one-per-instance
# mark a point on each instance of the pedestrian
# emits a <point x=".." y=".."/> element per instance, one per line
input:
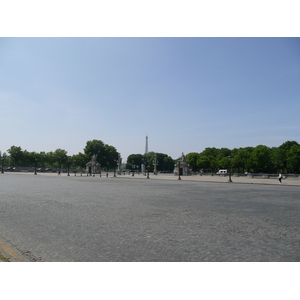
<point x="280" y="177"/>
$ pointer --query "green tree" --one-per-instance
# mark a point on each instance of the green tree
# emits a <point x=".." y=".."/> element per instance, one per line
<point x="210" y="151"/>
<point x="261" y="159"/>
<point x="16" y="155"/>
<point x="192" y="159"/>
<point x="32" y="158"/>
<point x="50" y="159"/>
<point x="288" y="145"/>
<point x="3" y="159"/>
<point x="280" y="156"/>
<point x="79" y="160"/>
<point x="223" y="152"/>
<point x="293" y="158"/>
<point x="279" y="159"/>
<point x="61" y="157"/>
<point x="107" y="155"/>
<point x="203" y="162"/>
<point x="223" y="163"/>
<point x="164" y="162"/>
<point x="213" y="163"/>
<point x="94" y="147"/>
<point x="134" y="160"/>
<point x="240" y="159"/>
<point x="110" y="155"/>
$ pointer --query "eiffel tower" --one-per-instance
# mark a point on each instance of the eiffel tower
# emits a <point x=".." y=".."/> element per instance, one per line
<point x="146" y="148"/>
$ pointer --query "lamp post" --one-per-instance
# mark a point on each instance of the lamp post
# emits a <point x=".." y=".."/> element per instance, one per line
<point x="35" y="161"/>
<point x="98" y="164"/>
<point x="147" y="167"/>
<point x="178" y="164"/>
<point x="133" y="168"/>
<point x="155" y="164"/>
<point x="115" y="167"/>
<point x="179" y="178"/>
<point x="143" y="167"/>
<point x="59" y="171"/>
<point x="68" y="164"/>
<point x="2" y="162"/>
<point x="229" y="180"/>
<point x="119" y="164"/>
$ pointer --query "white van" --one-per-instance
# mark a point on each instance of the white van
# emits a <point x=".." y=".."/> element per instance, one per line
<point x="221" y="172"/>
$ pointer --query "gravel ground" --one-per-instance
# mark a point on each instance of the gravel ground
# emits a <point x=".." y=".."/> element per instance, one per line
<point x="60" y="218"/>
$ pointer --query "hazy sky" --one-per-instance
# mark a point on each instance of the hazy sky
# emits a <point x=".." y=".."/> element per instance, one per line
<point x="185" y="93"/>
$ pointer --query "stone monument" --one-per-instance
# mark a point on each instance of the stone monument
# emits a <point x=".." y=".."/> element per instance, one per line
<point x="93" y="167"/>
<point x="182" y="167"/>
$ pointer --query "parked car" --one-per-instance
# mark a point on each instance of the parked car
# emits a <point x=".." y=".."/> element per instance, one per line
<point x="221" y="172"/>
<point x="10" y="169"/>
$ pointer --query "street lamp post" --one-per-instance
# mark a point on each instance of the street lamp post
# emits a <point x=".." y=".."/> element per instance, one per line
<point x="155" y="164"/>
<point x="146" y="168"/>
<point x="179" y="178"/>
<point x="68" y="163"/>
<point x="133" y="168"/>
<point x="35" y="160"/>
<point x="143" y="169"/>
<point x="119" y="164"/>
<point x="2" y="162"/>
<point x="229" y="180"/>
<point x="115" y="167"/>
<point x="59" y="171"/>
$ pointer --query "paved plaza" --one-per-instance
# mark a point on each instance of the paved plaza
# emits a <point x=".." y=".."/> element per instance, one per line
<point x="198" y="219"/>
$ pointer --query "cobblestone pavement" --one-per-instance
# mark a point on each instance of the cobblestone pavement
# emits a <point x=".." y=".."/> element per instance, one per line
<point x="60" y="218"/>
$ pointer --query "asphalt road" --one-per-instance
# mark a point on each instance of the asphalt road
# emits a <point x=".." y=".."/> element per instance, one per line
<point x="59" y="218"/>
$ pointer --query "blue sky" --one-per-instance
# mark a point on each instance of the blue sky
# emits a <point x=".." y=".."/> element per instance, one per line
<point x="185" y="93"/>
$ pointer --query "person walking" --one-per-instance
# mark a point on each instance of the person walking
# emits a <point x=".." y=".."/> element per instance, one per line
<point x="280" y="177"/>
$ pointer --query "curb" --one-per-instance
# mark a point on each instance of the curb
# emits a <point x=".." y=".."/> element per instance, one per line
<point x="7" y="254"/>
<point x="209" y="181"/>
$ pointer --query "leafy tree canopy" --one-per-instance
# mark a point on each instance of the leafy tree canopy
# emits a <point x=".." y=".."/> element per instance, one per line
<point x="107" y="155"/>
<point x="163" y="161"/>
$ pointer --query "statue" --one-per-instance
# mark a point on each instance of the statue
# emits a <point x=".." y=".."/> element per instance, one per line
<point x="183" y="157"/>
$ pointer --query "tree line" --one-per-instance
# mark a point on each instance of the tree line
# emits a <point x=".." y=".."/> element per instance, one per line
<point x="164" y="162"/>
<point x="259" y="159"/>
<point x="107" y="156"/>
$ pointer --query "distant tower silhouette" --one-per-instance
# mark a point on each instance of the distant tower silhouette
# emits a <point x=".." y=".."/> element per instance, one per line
<point x="146" y="148"/>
